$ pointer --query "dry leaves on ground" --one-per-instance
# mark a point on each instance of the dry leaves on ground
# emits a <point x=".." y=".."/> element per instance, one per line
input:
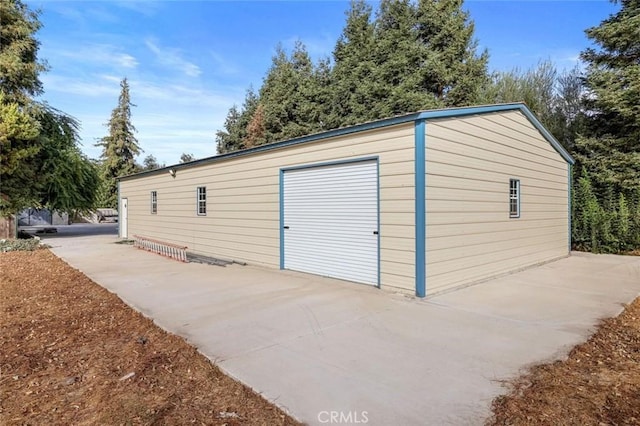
<point x="73" y="353"/>
<point x="599" y="383"/>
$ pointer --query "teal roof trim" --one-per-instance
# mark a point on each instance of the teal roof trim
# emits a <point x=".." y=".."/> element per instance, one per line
<point x="460" y="112"/>
<point x="426" y="115"/>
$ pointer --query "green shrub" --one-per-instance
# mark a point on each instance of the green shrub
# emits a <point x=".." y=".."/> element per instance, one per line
<point x="20" y="244"/>
<point x="608" y="223"/>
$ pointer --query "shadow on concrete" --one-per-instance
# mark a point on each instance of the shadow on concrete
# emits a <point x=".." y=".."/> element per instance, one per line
<point x="74" y="230"/>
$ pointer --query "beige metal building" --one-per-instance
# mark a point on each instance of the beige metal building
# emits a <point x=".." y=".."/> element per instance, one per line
<point x="422" y="203"/>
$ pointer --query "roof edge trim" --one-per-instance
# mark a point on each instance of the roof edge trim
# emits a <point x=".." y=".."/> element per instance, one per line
<point x="426" y="115"/>
<point x="459" y="112"/>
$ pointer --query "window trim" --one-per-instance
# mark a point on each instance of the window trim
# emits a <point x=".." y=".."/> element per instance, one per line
<point x="154" y="202"/>
<point x="199" y="200"/>
<point x="516" y="214"/>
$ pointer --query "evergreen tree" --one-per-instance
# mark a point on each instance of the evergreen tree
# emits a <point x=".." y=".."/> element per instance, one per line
<point x="452" y="71"/>
<point x="413" y="56"/>
<point x="235" y="125"/>
<point x="321" y="95"/>
<point x="40" y="162"/>
<point x="150" y="163"/>
<point x="19" y="65"/>
<point x="611" y="150"/>
<point x="398" y="57"/>
<point x="293" y="101"/>
<point x="19" y="82"/>
<point x="255" y="129"/>
<point x="19" y="133"/>
<point x="119" y="147"/>
<point x="608" y="151"/>
<point x="185" y="158"/>
<point x="351" y="82"/>
<point x="286" y="97"/>
<point x="226" y="140"/>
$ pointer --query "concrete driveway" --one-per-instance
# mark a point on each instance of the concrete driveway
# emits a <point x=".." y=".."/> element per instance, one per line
<point x="320" y="347"/>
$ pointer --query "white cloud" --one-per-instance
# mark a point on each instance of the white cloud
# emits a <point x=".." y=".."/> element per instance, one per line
<point x="101" y="54"/>
<point x="172" y="58"/>
<point x="176" y="94"/>
<point x="144" y="7"/>
<point x="171" y="118"/>
<point x="92" y="89"/>
<point x="127" y="61"/>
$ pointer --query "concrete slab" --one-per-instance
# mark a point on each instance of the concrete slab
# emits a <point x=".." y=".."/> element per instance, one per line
<point x="315" y="345"/>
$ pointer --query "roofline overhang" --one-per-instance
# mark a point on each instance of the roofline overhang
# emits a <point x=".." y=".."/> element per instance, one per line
<point x="422" y="115"/>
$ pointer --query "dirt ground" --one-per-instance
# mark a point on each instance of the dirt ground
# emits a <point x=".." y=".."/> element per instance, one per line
<point x="599" y="383"/>
<point x="73" y="353"/>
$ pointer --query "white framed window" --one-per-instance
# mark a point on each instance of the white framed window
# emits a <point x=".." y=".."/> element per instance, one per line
<point x="514" y="198"/>
<point x="201" y="200"/>
<point x="154" y="202"/>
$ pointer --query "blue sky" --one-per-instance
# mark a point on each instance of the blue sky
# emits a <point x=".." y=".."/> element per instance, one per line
<point x="188" y="62"/>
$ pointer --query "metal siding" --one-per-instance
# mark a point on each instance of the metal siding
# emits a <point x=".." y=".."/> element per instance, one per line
<point x="330" y="215"/>
<point x="469" y="163"/>
<point x="243" y="206"/>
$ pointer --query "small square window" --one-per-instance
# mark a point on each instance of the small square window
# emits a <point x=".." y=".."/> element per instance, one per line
<point x="514" y="198"/>
<point x="201" y="200"/>
<point x="154" y="202"/>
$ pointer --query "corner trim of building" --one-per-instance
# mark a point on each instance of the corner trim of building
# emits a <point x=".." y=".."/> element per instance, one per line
<point x="281" y="183"/>
<point x="420" y="210"/>
<point x="119" y="212"/>
<point x="569" y="203"/>
<point x="379" y="240"/>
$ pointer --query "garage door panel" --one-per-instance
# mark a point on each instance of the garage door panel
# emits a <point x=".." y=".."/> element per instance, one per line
<point x="331" y="221"/>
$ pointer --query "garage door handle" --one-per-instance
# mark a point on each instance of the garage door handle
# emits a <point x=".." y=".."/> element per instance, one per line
<point x="285" y="227"/>
<point x="375" y="232"/>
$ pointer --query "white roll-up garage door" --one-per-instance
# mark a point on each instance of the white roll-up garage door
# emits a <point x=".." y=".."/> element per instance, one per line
<point x="330" y="220"/>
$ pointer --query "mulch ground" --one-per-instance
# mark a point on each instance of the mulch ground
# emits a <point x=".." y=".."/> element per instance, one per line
<point x="73" y="353"/>
<point x="599" y="383"/>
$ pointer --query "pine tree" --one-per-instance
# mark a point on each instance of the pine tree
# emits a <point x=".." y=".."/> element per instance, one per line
<point x="19" y="82"/>
<point x="119" y="147"/>
<point x="452" y="70"/>
<point x="185" y="158"/>
<point x="255" y="129"/>
<point x="413" y="56"/>
<point x="150" y="163"/>
<point x="611" y="152"/>
<point x="235" y="126"/>
<point x="19" y="65"/>
<point x="398" y="56"/>
<point x="286" y="96"/>
<point x="351" y="81"/>
<point x="608" y="151"/>
<point x="321" y="96"/>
